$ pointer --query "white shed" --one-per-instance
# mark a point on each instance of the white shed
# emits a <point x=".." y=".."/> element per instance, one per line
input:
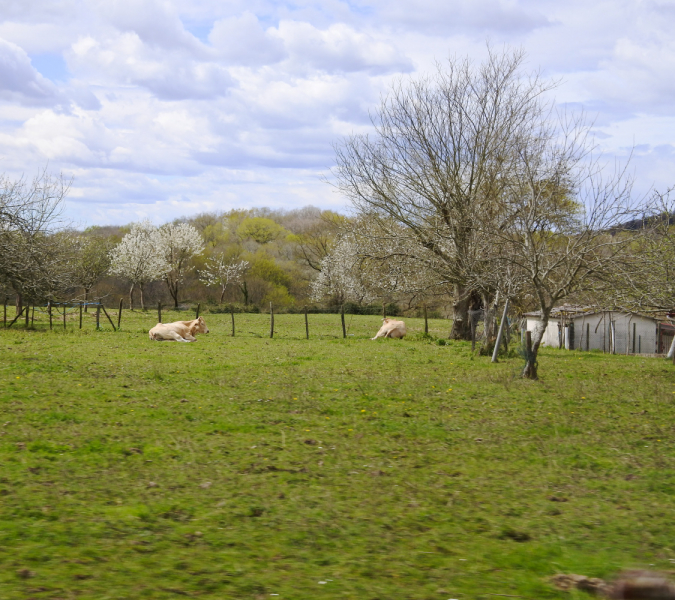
<point x="609" y="331"/>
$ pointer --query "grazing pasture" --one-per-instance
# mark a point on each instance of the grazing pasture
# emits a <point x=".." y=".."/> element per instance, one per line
<point x="250" y="467"/>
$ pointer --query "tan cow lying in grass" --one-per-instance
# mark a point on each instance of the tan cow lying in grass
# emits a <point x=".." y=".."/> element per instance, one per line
<point x="391" y="329"/>
<point x="179" y="331"/>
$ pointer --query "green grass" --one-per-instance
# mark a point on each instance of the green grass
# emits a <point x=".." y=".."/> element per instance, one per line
<point x="244" y="467"/>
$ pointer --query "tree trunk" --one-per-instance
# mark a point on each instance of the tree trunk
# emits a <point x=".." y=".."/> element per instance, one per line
<point x="461" y="324"/>
<point x="19" y="304"/>
<point x="140" y="287"/>
<point x="173" y="291"/>
<point x="131" y="297"/>
<point x="244" y="290"/>
<point x="530" y="369"/>
<point x="222" y="295"/>
<point x="489" y="325"/>
<point x="86" y="298"/>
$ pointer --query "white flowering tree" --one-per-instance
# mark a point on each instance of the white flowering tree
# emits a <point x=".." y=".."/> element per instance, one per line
<point x="364" y="265"/>
<point x="137" y="258"/>
<point x="222" y="272"/>
<point x="340" y="276"/>
<point x="177" y="244"/>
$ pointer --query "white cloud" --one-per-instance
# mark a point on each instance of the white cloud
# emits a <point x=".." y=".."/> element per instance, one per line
<point x="340" y="48"/>
<point x="19" y="81"/>
<point x="170" y="106"/>
<point x="442" y="17"/>
<point x="155" y="22"/>
<point x="241" y="40"/>
<point x="124" y="59"/>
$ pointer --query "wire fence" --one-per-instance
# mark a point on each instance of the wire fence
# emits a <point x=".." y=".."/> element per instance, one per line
<point x="61" y="314"/>
<point x="60" y="311"/>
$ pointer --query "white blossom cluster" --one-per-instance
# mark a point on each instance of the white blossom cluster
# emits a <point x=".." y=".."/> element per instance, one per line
<point x="137" y="257"/>
<point x="341" y="276"/>
<point x="221" y="272"/>
<point x="362" y="267"/>
<point x="148" y="253"/>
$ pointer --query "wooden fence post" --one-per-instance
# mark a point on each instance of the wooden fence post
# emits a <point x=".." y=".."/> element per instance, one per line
<point x="32" y="316"/>
<point x="119" y="315"/>
<point x="16" y="318"/>
<point x="342" y="319"/>
<point x="4" y="314"/>
<point x="64" y="317"/>
<point x="473" y="331"/>
<point x="198" y="307"/>
<point x="271" y="321"/>
<point x="81" y="315"/>
<point x="306" y="324"/>
<point x="108" y="317"/>
<point x="98" y="316"/>
<point x="426" y="320"/>
<point x="232" y="313"/>
<point x="159" y="312"/>
<point x="27" y="315"/>
<point x="49" y="310"/>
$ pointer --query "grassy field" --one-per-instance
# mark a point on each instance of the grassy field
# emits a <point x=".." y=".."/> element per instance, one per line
<point x="325" y="468"/>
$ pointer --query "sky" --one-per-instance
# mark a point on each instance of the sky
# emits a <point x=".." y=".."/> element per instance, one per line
<point x="166" y="108"/>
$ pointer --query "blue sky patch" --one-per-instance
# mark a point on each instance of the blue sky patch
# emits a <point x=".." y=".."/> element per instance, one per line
<point x="51" y="66"/>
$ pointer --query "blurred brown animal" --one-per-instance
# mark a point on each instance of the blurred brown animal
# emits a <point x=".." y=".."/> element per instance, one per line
<point x="178" y="331"/>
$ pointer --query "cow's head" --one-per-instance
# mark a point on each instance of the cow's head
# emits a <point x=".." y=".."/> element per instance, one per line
<point x="199" y="326"/>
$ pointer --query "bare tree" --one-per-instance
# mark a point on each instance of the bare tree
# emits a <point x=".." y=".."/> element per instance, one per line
<point x="440" y="158"/>
<point x="35" y="260"/>
<point x="92" y="262"/>
<point x="138" y="258"/>
<point x="559" y="230"/>
<point x="646" y="281"/>
<point x="316" y="239"/>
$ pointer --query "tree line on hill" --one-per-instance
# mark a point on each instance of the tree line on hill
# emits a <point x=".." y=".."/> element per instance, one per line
<point x="472" y="191"/>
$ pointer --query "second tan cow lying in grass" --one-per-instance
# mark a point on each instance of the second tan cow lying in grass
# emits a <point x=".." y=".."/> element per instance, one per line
<point x="391" y="329"/>
<point x="179" y="331"/>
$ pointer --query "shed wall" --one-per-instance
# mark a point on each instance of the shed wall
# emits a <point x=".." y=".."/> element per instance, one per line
<point x="594" y="332"/>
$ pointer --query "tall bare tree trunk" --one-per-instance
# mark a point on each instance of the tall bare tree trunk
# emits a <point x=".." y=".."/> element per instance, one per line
<point x="19" y="304"/>
<point x="173" y="291"/>
<point x="131" y="297"/>
<point x="244" y="290"/>
<point x="140" y="287"/>
<point x="461" y="324"/>
<point x="86" y="298"/>
<point x="530" y="369"/>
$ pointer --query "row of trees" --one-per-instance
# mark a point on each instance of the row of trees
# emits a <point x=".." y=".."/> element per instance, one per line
<point x="473" y="182"/>
<point x="248" y="256"/>
<point x="473" y="189"/>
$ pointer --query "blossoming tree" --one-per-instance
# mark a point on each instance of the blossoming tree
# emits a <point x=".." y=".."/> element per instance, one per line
<point x="177" y="244"/>
<point x="222" y="272"/>
<point x="137" y="259"/>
